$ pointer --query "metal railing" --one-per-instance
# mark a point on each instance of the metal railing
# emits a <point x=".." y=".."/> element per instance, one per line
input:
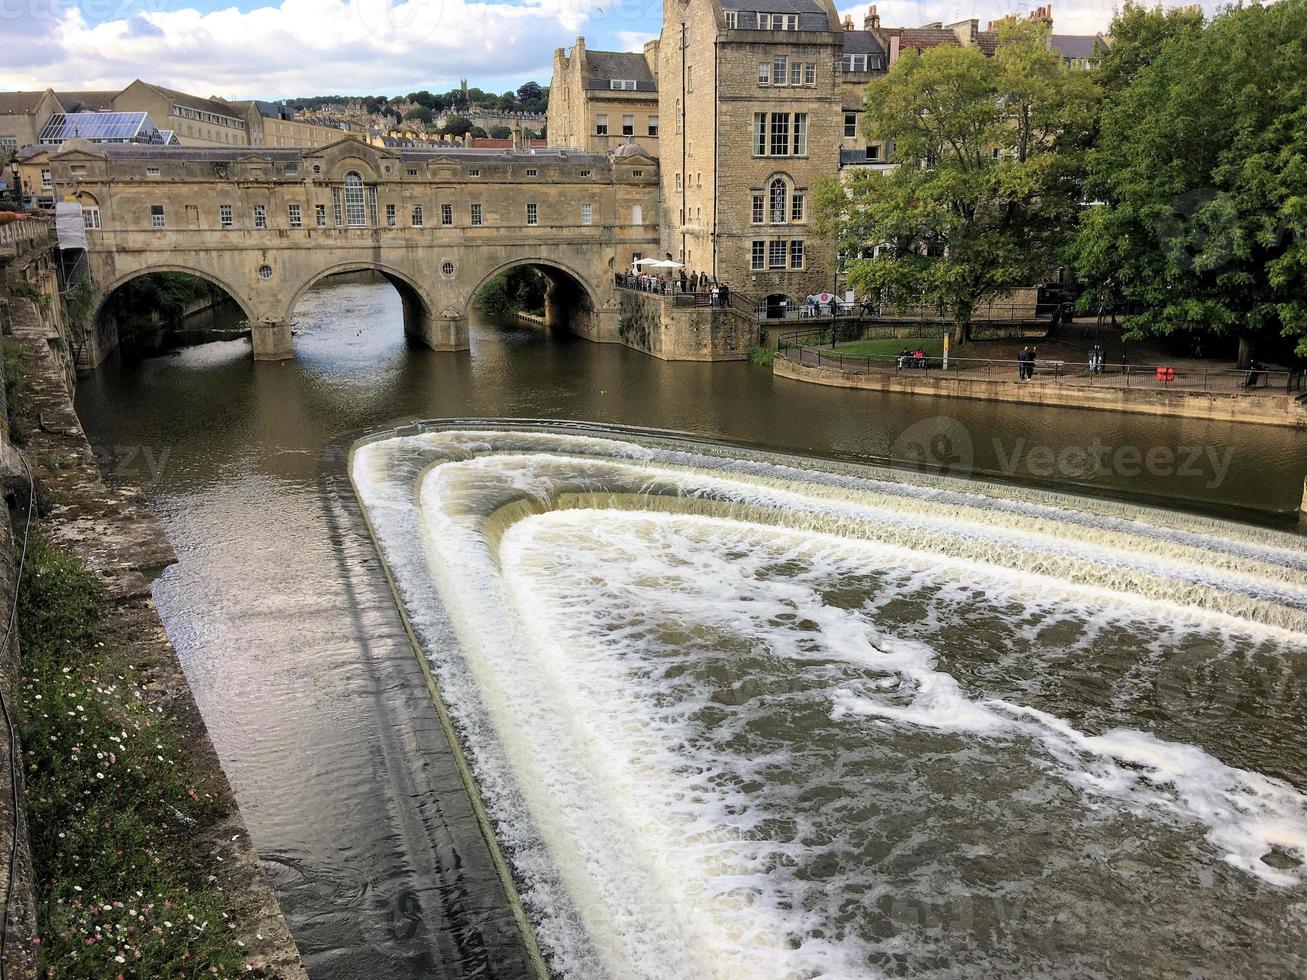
<point x="1140" y="376"/>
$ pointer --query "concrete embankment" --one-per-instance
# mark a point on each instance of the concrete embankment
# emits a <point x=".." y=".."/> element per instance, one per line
<point x="112" y="532"/>
<point x="1216" y="406"/>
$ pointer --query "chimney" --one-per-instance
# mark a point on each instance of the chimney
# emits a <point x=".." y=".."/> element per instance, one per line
<point x="872" y="20"/>
<point x="848" y="22"/>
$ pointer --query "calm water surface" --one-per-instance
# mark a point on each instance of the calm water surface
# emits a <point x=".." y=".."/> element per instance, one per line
<point x="292" y="645"/>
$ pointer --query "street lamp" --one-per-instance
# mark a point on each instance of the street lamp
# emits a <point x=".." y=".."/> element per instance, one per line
<point x="14" y="187"/>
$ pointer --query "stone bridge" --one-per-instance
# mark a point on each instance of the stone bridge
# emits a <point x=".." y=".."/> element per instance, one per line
<point x="265" y="224"/>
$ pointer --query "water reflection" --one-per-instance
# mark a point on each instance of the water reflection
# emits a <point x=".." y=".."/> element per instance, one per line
<point x="293" y="647"/>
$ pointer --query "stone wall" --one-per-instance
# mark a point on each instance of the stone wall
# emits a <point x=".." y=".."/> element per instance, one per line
<point x="113" y="533"/>
<point x="1218" y="406"/>
<point x="656" y="326"/>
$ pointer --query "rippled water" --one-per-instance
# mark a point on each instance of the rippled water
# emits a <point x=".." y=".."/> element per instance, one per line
<point x="737" y="718"/>
<point x="290" y="639"/>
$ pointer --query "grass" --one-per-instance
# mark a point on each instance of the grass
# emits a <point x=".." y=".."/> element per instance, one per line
<point x="762" y="355"/>
<point x="892" y="346"/>
<point x="18" y="394"/>
<point x="110" y="799"/>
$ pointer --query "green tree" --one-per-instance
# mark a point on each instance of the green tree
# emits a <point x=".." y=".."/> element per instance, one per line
<point x="530" y="95"/>
<point x="457" y="126"/>
<point x="984" y="194"/>
<point x="1201" y="168"/>
<point x="420" y="113"/>
<point x="1139" y="33"/>
<point x="500" y="132"/>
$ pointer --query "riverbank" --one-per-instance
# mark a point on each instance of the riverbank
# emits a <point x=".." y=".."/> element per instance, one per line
<point x="1217" y="406"/>
<point x="112" y="534"/>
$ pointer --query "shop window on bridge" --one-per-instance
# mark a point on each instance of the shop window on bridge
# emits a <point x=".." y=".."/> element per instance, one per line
<point x="372" y="205"/>
<point x="532" y="214"/>
<point x="416" y="217"/>
<point x="156" y="216"/>
<point x="446" y="214"/>
<point x="260" y="216"/>
<point x="90" y="217"/>
<point x="356" y="215"/>
<point x="293" y="213"/>
<point x="225" y="219"/>
<point x="390" y="216"/>
<point x="476" y="214"/>
<point x="337" y="212"/>
<point x="320" y="215"/>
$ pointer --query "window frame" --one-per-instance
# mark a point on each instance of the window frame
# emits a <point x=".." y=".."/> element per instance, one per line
<point x="475" y="215"/>
<point x="415" y="217"/>
<point x="532" y="213"/>
<point x="294" y="216"/>
<point x="158" y="216"/>
<point x="226" y="217"/>
<point x="446" y="214"/>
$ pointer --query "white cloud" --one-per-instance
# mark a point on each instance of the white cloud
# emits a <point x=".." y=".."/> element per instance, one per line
<point x="633" y="40"/>
<point x="300" y="47"/>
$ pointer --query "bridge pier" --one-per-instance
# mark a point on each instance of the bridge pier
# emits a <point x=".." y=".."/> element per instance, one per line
<point x="446" y="332"/>
<point x="272" y="340"/>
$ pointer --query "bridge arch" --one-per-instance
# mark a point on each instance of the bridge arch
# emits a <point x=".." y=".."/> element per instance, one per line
<point x="106" y="290"/>
<point x="418" y="307"/>
<point x="572" y="300"/>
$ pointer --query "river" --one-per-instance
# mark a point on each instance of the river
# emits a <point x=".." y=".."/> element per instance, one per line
<point x="288" y="634"/>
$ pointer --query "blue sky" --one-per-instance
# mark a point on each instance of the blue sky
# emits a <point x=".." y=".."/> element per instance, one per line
<point x="382" y="47"/>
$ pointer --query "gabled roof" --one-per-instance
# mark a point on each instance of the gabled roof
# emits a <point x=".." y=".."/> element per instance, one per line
<point x="90" y="101"/>
<point x="1078" y="46"/>
<point x="922" y="38"/>
<point x="216" y="106"/>
<point x="862" y="42"/>
<point x="602" y="67"/>
<point x="20" y="103"/>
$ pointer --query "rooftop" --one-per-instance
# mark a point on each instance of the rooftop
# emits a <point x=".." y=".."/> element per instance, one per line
<point x="99" y="127"/>
<point x="603" y="67"/>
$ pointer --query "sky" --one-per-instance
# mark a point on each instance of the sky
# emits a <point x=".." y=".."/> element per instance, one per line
<point x="286" y="48"/>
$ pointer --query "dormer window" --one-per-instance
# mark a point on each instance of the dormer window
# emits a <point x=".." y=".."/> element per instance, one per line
<point x="622" y="84"/>
<point x="732" y="19"/>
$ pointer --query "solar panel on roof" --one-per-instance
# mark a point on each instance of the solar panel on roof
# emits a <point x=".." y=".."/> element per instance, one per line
<point x="97" y="126"/>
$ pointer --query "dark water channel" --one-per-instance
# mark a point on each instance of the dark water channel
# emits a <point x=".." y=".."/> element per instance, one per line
<point x="291" y="641"/>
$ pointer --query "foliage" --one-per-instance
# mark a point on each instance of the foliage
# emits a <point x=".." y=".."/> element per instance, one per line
<point x="110" y="798"/>
<point x="420" y="114"/>
<point x="516" y="290"/>
<point x="762" y="356"/>
<point x="456" y="126"/>
<point x="989" y="151"/>
<point x="18" y="392"/>
<point x="1138" y="34"/>
<point x="500" y="132"/>
<point x="78" y="302"/>
<point x="636" y="320"/>
<point x="1202" y="168"/>
<point x="165" y="294"/>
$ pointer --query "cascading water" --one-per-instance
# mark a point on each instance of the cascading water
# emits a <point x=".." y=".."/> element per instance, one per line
<point x="741" y="715"/>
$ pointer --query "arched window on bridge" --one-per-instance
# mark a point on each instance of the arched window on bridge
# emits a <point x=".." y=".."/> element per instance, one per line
<point x="356" y="212"/>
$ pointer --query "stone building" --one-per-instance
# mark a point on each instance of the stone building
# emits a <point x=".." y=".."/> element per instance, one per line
<point x="601" y="99"/>
<point x="22" y="117"/>
<point x="757" y="100"/>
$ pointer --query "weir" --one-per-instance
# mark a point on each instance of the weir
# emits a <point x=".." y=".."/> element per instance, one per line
<point x="736" y="713"/>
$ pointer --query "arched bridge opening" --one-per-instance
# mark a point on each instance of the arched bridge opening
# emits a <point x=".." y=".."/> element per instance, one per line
<point x="545" y="290"/>
<point x="150" y="310"/>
